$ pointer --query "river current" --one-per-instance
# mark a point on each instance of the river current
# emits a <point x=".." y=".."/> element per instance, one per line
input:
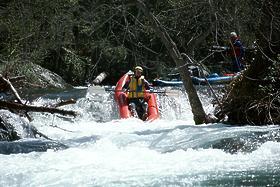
<point x="103" y="150"/>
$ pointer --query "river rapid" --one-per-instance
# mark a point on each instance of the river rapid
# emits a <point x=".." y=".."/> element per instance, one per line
<point x="103" y="150"/>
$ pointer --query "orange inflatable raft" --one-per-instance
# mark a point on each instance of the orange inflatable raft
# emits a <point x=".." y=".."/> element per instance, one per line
<point x="121" y="98"/>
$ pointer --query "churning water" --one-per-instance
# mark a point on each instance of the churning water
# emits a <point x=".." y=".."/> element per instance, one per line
<point x="105" y="151"/>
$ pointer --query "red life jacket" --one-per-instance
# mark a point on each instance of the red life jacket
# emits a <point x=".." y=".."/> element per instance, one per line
<point x="235" y="47"/>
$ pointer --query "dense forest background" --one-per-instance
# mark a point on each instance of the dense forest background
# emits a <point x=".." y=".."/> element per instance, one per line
<point x="78" y="39"/>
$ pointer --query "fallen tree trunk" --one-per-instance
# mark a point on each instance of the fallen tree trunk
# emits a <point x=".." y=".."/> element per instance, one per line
<point x="197" y="109"/>
<point x="29" y="108"/>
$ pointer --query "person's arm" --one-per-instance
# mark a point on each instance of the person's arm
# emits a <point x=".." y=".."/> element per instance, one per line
<point x="126" y="85"/>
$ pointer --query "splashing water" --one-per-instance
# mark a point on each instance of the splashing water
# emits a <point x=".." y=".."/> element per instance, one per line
<point x="106" y="151"/>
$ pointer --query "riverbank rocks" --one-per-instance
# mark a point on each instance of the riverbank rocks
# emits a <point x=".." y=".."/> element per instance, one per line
<point x="18" y="136"/>
<point x="13" y="127"/>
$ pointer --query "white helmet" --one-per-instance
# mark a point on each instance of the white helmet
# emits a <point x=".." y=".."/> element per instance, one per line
<point x="139" y="68"/>
<point x="233" y="34"/>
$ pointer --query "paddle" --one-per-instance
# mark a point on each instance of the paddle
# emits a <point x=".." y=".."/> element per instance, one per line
<point x="148" y="91"/>
<point x="102" y="90"/>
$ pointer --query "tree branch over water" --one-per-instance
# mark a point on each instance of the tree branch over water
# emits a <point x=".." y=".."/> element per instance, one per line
<point x="29" y="108"/>
<point x="197" y="109"/>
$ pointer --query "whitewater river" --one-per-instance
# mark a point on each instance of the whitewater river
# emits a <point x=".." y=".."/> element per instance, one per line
<point x="105" y="151"/>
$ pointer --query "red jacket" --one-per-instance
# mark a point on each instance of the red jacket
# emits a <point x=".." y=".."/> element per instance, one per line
<point x="236" y="48"/>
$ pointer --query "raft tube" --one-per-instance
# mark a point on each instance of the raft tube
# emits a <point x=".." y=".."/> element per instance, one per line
<point x="121" y="98"/>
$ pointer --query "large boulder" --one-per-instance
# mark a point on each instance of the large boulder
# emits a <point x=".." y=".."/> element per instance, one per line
<point x="19" y="136"/>
<point x="36" y="78"/>
<point x="46" y="78"/>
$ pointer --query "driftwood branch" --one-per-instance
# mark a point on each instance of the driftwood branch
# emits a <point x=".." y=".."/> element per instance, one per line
<point x="17" y="78"/>
<point x="63" y="103"/>
<point x="29" y="108"/>
<point x="12" y="88"/>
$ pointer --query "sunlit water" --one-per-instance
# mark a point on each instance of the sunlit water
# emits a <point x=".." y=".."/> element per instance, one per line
<point x="105" y="151"/>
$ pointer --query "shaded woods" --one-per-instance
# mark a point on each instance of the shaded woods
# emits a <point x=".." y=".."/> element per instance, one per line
<point x="255" y="97"/>
<point x="78" y="39"/>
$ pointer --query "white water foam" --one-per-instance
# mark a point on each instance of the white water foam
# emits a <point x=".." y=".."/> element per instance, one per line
<point x="135" y="153"/>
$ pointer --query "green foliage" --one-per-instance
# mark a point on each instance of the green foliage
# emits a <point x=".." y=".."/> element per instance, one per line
<point x="103" y="35"/>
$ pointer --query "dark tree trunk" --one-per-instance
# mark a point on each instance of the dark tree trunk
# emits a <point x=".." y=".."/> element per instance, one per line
<point x="197" y="109"/>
